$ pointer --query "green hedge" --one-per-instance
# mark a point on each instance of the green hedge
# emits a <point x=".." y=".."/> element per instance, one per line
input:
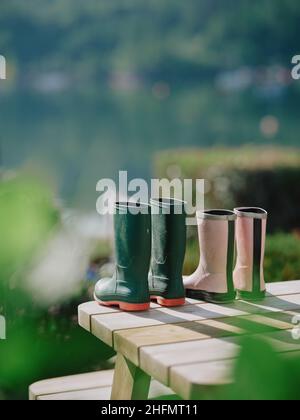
<point x="282" y="261"/>
<point x="256" y="176"/>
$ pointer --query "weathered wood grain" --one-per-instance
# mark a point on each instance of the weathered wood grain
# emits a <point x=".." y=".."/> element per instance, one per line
<point x="89" y="386"/>
<point x="194" y="380"/>
<point x="169" y="343"/>
<point x="89" y="309"/>
<point x="157" y="360"/>
<point x="130" y="341"/>
<point x="71" y="383"/>
<point x="104" y="326"/>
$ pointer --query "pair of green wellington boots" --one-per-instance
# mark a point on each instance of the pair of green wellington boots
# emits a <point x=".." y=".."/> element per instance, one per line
<point x="146" y="236"/>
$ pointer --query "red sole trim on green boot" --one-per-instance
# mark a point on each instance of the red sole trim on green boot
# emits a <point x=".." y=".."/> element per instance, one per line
<point x="168" y="302"/>
<point x="125" y="306"/>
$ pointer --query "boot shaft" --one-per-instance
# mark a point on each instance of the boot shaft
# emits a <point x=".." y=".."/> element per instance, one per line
<point x="213" y="279"/>
<point x="216" y="241"/>
<point x="168" y="246"/>
<point x="216" y="231"/>
<point x="250" y="239"/>
<point x="132" y="226"/>
<point x="128" y="287"/>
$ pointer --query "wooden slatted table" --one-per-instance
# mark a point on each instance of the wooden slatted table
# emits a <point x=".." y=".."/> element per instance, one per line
<point x="192" y="347"/>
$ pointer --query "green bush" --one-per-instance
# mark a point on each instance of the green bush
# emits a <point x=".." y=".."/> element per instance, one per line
<point x="255" y="176"/>
<point x="282" y="261"/>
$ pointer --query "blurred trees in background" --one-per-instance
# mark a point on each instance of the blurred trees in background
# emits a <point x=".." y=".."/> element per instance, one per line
<point x="172" y="37"/>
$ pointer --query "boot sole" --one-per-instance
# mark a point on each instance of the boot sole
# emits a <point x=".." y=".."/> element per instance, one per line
<point x="211" y="297"/>
<point x="125" y="306"/>
<point x="168" y="302"/>
<point x="251" y="296"/>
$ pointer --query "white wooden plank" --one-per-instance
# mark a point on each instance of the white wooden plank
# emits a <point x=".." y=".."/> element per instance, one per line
<point x="284" y="288"/>
<point x="86" y="310"/>
<point x="71" y="383"/>
<point x="89" y="386"/>
<point x="157" y="360"/>
<point x="94" y="394"/>
<point x="129" y="342"/>
<point x="103" y="326"/>
<point x="190" y="381"/>
<point x="272" y="304"/>
<point x="102" y="394"/>
<point x="89" y="309"/>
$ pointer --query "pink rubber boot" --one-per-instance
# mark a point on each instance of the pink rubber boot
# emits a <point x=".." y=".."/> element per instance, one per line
<point x="213" y="281"/>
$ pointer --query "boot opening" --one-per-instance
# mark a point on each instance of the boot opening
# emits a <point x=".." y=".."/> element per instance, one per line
<point x="219" y="212"/>
<point x="167" y="202"/>
<point x="130" y="204"/>
<point x="254" y="212"/>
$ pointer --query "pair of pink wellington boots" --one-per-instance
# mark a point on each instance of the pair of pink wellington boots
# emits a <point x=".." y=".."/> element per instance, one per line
<point x="232" y="248"/>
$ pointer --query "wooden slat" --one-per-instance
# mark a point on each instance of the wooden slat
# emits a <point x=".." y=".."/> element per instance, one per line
<point x="102" y="394"/>
<point x="103" y="326"/>
<point x="71" y="383"/>
<point x="284" y="288"/>
<point x="272" y="304"/>
<point x="94" y="394"/>
<point x="157" y="360"/>
<point x="87" y="386"/>
<point x="192" y="380"/>
<point x="87" y="310"/>
<point x="130" y="341"/>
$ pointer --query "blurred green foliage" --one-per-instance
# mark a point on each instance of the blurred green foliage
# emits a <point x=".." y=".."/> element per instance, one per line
<point x="27" y="217"/>
<point x="282" y="260"/>
<point x="262" y="374"/>
<point x="266" y="177"/>
<point x="40" y="343"/>
<point x="173" y="36"/>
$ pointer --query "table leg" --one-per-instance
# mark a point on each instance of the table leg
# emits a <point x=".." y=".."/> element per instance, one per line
<point x="130" y="382"/>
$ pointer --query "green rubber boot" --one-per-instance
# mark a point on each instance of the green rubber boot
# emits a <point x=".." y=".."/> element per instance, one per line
<point x="128" y="288"/>
<point x="168" y="251"/>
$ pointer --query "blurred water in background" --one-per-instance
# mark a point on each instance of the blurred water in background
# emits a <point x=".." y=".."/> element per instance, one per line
<point x="78" y="138"/>
<point x="96" y="87"/>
